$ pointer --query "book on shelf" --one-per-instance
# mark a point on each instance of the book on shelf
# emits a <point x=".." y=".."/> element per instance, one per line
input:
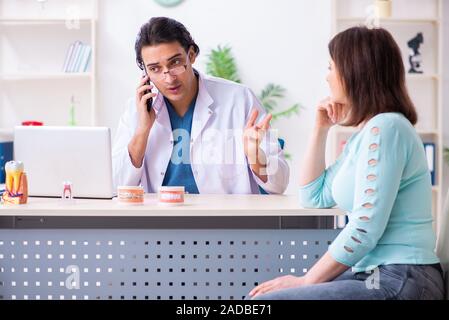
<point x="6" y="152"/>
<point x="341" y="221"/>
<point x="429" y="148"/>
<point x="77" y="58"/>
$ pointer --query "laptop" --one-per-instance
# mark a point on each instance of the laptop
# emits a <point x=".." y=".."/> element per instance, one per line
<point x="54" y="155"/>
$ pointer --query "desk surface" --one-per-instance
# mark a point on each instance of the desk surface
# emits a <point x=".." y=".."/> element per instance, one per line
<point x="195" y="205"/>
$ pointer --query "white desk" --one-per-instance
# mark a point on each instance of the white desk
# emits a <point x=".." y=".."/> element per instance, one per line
<point x="195" y="205"/>
<point x="213" y="247"/>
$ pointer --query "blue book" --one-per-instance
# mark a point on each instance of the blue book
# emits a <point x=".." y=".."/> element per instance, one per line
<point x="6" y="154"/>
<point x="78" y="58"/>
<point x="68" y="57"/>
<point x="429" y="148"/>
<point x="341" y="221"/>
<point x="85" y="58"/>
<point x="74" y="56"/>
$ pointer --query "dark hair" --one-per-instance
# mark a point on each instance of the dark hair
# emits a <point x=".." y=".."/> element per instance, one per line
<point x="371" y="70"/>
<point x="163" y="30"/>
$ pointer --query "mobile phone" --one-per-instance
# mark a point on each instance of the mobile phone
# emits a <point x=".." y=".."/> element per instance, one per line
<point x="150" y="100"/>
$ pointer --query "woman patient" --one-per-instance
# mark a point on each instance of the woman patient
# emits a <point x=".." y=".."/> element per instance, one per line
<point x="381" y="179"/>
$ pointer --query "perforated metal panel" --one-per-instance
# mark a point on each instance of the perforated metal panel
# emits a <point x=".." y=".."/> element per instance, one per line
<point x="151" y="264"/>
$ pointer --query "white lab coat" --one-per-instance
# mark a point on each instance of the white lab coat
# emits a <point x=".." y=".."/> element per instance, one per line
<point x="217" y="158"/>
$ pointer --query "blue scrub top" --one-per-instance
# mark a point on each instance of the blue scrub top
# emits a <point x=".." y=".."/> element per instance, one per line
<point x="179" y="172"/>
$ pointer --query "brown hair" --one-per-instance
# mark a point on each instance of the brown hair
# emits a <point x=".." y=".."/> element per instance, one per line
<point x="371" y="70"/>
<point x="163" y="30"/>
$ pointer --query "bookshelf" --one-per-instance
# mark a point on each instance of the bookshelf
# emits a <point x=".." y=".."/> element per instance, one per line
<point x="407" y="18"/>
<point x="35" y="37"/>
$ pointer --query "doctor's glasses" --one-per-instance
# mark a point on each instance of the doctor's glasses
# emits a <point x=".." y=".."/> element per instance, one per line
<point x="177" y="68"/>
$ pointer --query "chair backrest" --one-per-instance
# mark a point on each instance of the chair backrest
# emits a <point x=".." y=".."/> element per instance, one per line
<point x="443" y="242"/>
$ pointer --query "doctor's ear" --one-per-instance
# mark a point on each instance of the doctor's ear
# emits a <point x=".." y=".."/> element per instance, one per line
<point x="192" y="55"/>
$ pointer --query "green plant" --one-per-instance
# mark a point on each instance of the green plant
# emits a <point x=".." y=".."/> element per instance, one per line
<point x="269" y="98"/>
<point x="446" y="155"/>
<point x="222" y="64"/>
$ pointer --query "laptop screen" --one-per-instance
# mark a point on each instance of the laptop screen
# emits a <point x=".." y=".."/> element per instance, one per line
<point x="54" y="155"/>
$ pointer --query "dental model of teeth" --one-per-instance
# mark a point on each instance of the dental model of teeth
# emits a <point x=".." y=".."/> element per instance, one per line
<point x="16" y="184"/>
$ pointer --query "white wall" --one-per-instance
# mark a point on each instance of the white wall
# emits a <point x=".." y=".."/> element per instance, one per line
<point x="280" y="41"/>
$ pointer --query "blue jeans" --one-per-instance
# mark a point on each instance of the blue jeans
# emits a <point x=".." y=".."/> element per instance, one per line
<point x="389" y="282"/>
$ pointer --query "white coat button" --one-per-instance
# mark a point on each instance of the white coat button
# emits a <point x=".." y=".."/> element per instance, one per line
<point x="162" y="173"/>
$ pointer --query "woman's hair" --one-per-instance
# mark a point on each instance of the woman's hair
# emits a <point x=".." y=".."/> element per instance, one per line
<point x="163" y="30"/>
<point x="371" y="70"/>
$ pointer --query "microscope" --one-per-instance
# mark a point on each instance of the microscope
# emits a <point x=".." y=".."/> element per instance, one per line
<point x="414" y="57"/>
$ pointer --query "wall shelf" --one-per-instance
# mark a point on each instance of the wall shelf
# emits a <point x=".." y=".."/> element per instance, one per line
<point x="37" y="21"/>
<point x="46" y="76"/>
<point x="390" y="20"/>
<point x="34" y="42"/>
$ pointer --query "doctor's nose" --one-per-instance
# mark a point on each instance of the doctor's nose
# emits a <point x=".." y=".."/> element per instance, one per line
<point x="169" y="78"/>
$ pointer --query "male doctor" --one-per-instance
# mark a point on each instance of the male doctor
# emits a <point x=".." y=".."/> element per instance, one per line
<point x="205" y="133"/>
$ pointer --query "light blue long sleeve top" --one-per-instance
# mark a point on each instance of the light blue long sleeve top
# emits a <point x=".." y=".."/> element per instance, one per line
<point x="382" y="180"/>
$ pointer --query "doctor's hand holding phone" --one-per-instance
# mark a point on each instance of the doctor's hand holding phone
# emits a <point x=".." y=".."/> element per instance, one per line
<point x="144" y="100"/>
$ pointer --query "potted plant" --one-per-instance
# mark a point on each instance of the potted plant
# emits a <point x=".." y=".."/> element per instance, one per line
<point x="221" y="63"/>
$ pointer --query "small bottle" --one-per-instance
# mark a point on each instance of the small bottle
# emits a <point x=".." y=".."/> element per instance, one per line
<point x="23" y="188"/>
<point x="72" y="121"/>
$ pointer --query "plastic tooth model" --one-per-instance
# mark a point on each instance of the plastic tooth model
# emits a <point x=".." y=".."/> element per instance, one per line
<point x="16" y="184"/>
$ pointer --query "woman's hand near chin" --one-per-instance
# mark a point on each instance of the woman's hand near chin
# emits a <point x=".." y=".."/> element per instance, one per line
<point x="329" y="113"/>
